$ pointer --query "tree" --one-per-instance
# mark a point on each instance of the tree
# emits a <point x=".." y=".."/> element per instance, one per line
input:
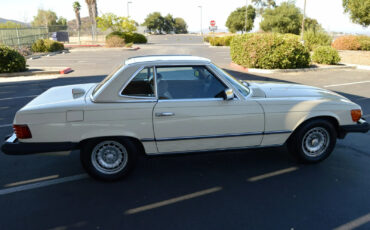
<point x="285" y="18"/>
<point x="359" y="11"/>
<point x="115" y="23"/>
<point x="236" y="20"/>
<point x="45" y="18"/>
<point x="312" y="25"/>
<point x="180" y="26"/>
<point x="93" y="13"/>
<point x="154" y="22"/>
<point x="168" y="23"/>
<point x="77" y="8"/>
<point x="62" y="21"/>
<point x="10" y="24"/>
<point x="263" y="4"/>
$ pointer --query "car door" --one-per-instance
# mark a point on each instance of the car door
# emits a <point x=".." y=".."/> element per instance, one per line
<point x="191" y="114"/>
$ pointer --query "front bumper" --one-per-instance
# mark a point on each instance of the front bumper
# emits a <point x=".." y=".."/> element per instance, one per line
<point x="13" y="147"/>
<point x="362" y="126"/>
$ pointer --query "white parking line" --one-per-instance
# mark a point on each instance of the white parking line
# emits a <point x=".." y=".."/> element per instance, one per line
<point x="31" y="181"/>
<point x="11" y="98"/>
<point x="7" y="125"/>
<point x="271" y="174"/>
<point x="355" y="223"/>
<point x="42" y="184"/>
<point x="173" y="200"/>
<point x="349" y="83"/>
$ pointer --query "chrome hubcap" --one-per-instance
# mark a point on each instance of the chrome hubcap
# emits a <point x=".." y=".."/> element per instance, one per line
<point x="109" y="157"/>
<point x="315" y="142"/>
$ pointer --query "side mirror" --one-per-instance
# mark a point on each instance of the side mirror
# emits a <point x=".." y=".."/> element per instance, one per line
<point x="228" y="94"/>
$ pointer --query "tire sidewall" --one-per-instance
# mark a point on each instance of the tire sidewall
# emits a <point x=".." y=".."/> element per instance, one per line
<point x="298" y="139"/>
<point x="86" y="152"/>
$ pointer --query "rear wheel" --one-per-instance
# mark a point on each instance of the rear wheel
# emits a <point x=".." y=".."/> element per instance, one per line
<point x="314" y="141"/>
<point x="108" y="159"/>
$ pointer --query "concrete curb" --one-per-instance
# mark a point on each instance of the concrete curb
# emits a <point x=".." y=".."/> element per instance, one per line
<point x="37" y="56"/>
<point x="270" y="71"/>
<point x="362" y="67"/>
<point x="38" y="71"/>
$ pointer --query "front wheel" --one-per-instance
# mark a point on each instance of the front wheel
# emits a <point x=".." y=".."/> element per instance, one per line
<point x="108" y="159"/>
<point x="314" y="141"/>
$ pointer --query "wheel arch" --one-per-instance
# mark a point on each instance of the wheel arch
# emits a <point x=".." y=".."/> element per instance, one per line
<point x="330" y="118"/>
<point x="138" y="144"/>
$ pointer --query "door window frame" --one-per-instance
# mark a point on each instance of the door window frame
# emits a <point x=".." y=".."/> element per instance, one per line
<point x="120" y="93"/>
<point x="214" y="74"/>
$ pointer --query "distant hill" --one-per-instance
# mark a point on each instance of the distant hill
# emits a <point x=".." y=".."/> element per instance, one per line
<point x="3" y="20"/>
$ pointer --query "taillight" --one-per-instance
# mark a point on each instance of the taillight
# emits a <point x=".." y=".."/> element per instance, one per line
<point x="22" y="131"/>
<point x="356" y="114"/>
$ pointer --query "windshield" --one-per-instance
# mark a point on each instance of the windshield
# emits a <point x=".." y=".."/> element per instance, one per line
<point x="241" y="86"/>
<point x="107" y="78"/>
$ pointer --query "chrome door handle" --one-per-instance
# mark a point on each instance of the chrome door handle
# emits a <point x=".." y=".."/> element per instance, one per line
<point x="164" y="114"/>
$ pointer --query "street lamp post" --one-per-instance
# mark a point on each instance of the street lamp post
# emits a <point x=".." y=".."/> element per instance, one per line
<point x="201" y="30"/>
<point x="128" y="12"/>
<point x="304" y="15"/>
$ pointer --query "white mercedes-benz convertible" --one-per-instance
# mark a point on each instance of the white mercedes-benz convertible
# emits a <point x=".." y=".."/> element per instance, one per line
<point x="177" y="104"/>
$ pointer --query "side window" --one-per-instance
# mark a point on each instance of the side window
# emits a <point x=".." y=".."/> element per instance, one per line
<point x="188" y="82"/>
<point x="142" y="85"/>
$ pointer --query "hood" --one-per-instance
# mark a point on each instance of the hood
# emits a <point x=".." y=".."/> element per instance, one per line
<point x="283" y="90"/>
<point x="58" y="99"/>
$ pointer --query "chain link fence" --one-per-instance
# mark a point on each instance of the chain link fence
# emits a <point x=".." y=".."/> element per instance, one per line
<point x="18" y="37"/>
<point x="25" y="37"/>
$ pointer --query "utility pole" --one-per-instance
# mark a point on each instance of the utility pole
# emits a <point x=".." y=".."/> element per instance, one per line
<point x="246" y="15"/>
<point x="201" y="30"/>
<point x="128" y="12"/>
<point x="304" y="15"/>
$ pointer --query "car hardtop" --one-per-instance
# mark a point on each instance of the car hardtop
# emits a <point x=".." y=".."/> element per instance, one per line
<point x="167" y="59"/>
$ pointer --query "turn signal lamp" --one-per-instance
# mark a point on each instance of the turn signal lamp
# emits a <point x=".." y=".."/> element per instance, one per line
<point x="356" y="114"/>
<point x="22" y="131"/>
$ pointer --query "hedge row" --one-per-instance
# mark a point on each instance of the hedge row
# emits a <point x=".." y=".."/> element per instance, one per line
<point x="352" y="42"/>
<point x="326" y="55"/>
<point x="129" y="37"/>
<point x="218" y="41"/>
<point x="46" y="45"/>
<point x="11" y="60"/>
<point x="269" y="51"/>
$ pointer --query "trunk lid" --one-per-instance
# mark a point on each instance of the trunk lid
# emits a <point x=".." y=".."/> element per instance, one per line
<point x="59" y="98"/>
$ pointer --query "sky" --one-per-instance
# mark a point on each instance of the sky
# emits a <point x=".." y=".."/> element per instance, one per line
<point x="329" y="13"/>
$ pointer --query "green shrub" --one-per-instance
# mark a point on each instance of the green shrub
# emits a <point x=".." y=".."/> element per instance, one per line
<point x="364" y="42"/>
<point x="206" y="38"/>
<point x="46" y="45"/>
<point x="129" y="37"/>
<point x="11" y="60"/>
<point x="348" y="42"/>
<point x="314" y="39"/>
<point x="269" y="51"/>
<point x="129" y="45"/>
<point x="220" y="41"/>
<point x="115" y="41"/>
<point x="139" y="38"/>
<point x="325" y="55"/>
<point x="38" y="46"/>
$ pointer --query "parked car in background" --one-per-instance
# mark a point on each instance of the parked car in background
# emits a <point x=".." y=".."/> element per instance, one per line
<point x="178" y="104"/>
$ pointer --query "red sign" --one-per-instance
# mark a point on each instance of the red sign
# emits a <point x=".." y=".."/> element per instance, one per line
<point x="213" y="23"/>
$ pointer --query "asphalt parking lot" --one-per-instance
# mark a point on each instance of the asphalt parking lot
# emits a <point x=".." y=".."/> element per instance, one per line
<point x="254" y="189"/>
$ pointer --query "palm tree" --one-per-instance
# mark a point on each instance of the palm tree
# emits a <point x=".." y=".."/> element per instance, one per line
<point x="93" y="13"/>
<point x="77" y="8"/>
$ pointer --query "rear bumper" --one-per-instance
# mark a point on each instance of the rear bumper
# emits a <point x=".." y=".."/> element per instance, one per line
<point x="361" y="127"/>
<point x="13" y="147"/>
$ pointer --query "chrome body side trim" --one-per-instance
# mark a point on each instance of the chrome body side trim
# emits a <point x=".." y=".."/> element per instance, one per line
<point x="216" y="136"/>
<point x="213" y="150"/>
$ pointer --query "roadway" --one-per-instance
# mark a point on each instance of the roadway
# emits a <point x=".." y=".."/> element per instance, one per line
<point x="254" y="189"/>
